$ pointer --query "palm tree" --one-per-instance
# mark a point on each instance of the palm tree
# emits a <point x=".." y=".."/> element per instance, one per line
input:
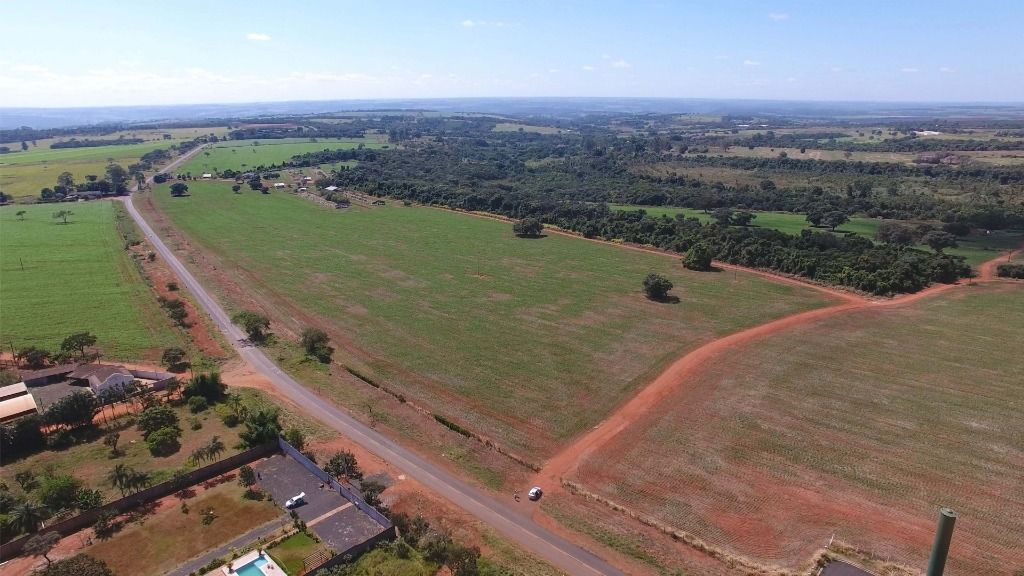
<point x="215" y="448"/>
<point x="198" y="455"/>
<point x="27" y="516"/>
<point x="138" y="481"/>
<point x="118" y="477"/>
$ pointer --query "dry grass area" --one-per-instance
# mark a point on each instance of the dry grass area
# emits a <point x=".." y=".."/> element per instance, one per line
<point x="158" y="543"/>
<point x="861" y="426"/>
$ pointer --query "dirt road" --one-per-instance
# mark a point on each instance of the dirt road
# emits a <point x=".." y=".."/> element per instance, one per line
<point x="511" y="523"/>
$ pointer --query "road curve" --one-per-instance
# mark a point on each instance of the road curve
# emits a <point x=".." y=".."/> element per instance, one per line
<point x="509" y="522"/>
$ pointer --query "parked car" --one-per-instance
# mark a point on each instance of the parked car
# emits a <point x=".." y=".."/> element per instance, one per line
<point x="535" y="493"/>
<point x="294" y="501"/>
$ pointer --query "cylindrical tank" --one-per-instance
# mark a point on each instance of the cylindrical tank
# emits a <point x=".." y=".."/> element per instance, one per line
<point x="943" y="536"/>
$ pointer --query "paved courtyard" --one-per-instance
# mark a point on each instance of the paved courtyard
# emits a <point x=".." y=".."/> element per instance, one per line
<point x="335" y="520"/>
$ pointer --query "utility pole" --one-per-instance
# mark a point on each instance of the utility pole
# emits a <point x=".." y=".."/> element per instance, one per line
<point x="943" y="536"/>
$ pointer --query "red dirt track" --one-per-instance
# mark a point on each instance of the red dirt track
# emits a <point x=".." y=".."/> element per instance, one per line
<point x="682" y="374"/>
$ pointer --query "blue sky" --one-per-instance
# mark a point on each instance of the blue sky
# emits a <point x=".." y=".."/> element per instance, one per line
<point x="124" y="52"/>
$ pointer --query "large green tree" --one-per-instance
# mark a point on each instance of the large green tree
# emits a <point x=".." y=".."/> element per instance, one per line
<point x="656" y="286"/>
<point x="78" y="342"/>
<point x="254" y="324"/>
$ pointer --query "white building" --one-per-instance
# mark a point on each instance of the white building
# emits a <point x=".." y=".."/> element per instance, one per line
<point x="103" y="377"/>
<point x="207" y="176"/>
<point x="280" y="185"/>
<point x="16" y="402"/>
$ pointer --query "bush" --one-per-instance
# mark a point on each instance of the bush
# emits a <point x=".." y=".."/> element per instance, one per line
<point x="698" y="257"/>
<point x="164" y="441"/>
<point x="246" y="476"/>
<point x="80" y="565"/>
<point x="230" y="419"/>
<point x="252" y="494"/>
<point x="59" y="492"/>
<point x="1010" y="271"/>
<point x="195" y="423"/>
<point x="656" y="286"/>
<point x="197" y="404"/>
<point x="208" y="386"/>
<point x="157" y="418"/>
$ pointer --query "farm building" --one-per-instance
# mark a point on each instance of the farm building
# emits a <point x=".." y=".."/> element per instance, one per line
<point x="331" y="188"/>
<point x="16" y="402"/>
<point x="207" y="176"/>
<point x="280" y="185"/>
<point x="303" y="189"/>
<point x="102" y="377"/>
<point x="307" y="178"/>
<point x="46" y="376"/>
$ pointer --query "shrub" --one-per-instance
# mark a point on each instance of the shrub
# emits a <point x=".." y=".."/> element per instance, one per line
<point x="195" y="423"/>
<point x="230" y="419"/>
<point x="1010" y="271"/>
<point x="246" y="476"/>
<point x="164" y="441"/>
<point x="698" y="257"/>
<point x="197" y="404"/>
<point x="252" y="494"/>
<point x="656" y="286"/>
<point x="59" y="492"/>
<point x="157" y="418"/>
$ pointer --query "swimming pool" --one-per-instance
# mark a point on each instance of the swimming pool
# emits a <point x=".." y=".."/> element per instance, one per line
<point x="254" y="568"/>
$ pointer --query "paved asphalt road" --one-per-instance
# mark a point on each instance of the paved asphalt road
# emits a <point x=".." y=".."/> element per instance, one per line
<point x="501" y="516"/>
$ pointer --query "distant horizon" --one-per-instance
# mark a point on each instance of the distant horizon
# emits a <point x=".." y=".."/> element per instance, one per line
<point x="200" y="52"/>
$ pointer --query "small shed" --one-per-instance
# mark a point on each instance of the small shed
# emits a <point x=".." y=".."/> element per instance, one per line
<point x="280" y="185"/>
<point x="102" y="377"/>
<point x="207" y="176"/>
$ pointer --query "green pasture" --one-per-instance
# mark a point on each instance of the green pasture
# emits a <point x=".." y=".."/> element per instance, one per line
<point x="529" y="341"/>
<point x="57" y="279"/>
<point x="245" y="155"/>
<point x="24" y="174"/>
<point x="976" y="248"/>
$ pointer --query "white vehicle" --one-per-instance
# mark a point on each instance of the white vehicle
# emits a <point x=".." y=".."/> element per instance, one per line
<point x="295" y="500"/>
<point x="535" y="493"/>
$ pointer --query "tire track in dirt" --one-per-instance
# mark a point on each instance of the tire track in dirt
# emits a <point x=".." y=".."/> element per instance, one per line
<point x="680" y="373"/>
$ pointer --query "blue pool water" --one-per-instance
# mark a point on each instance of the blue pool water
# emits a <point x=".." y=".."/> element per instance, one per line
<point x="252" y="568"/>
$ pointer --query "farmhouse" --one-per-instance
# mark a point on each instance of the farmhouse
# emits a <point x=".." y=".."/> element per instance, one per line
<point x="16" y="402"/>
<point x="102" y="377"/>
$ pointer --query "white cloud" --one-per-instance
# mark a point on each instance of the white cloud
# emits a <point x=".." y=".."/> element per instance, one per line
<point x="778" y="16"/>
<point x="946" y="69"/>
<point x="553" y="71"/>
<point x="257" y="36"/>
<point x="478" y="23"/>
<point x="791" y="79"/>
<point x="620" y="63"/>
<point x="30" y="68"/>
<point x="588" y="67"/>
<point x="837" y="68"/>
<point x="721" y="57"/>
<point x="751" y="63"/>
<point x="909" y="70"/>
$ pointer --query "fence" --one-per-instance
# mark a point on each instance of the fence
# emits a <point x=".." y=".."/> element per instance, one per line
<point x="334" y="484"/>
<point x="89" y="517"/>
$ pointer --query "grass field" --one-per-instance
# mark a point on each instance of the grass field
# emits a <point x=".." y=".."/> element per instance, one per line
<point x="517" y="127"/>
<point x="169" y="537"/>
<point x="250" y="154"/>
<point x="861" y="425"/>
<point x="975" y="249"/>
<point x="527" y="341"/>
<point x="57" y="279"/>
<point x="290" y="552"/>
<point x="24" y="174"/>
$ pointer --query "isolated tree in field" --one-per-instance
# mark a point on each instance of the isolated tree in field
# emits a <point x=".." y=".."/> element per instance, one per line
<point x="41" y="545"/>
<point x="528" y="227"/>
<point x="26" y="516"/>
<point x="344" y="465"/>
<point x="63" y="215"/>
<point x="938" y="240"/>
<point x="58" y="492"/>
<point x="834" y="219"/>
<point x="78" y="343"/>
<point x="254" y="324"/>
<point x="24" y="146"/>
<point x="315" y="343"/>
<point x="164" y="441"/>
<point x="237" y="189"/>
<point x="656" y="286"/>
<point x="895" y="233"/>
<point x="20" y="214"/>
<point x="179" y="189"/>
<point x="110" y="440"/>
<point x="698" y="257"/>
<point x="172" y="357"/>
<point x="140" y="180"/>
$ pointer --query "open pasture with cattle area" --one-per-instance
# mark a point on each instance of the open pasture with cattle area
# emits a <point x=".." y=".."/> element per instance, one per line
<point x="59" y="279"/>
<point x="860" y="426"/>
<point x="246" y="155"/>
<point x="526" y="341"/>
